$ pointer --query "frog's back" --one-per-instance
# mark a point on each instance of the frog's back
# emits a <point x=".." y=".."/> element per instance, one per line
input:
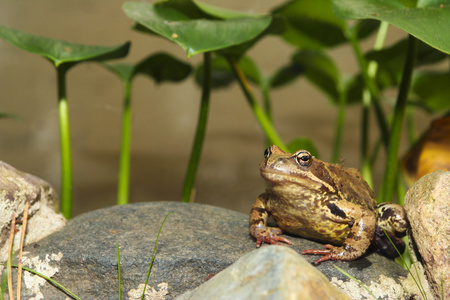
<point x="351" y="186"/>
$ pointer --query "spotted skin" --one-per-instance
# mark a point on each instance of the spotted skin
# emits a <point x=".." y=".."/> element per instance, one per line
<point x="316" y="200"/>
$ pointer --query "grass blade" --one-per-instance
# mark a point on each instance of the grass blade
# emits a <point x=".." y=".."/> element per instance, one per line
<point x="359" y="282"/>
<point x="11" y="242"/>
<point x="153" y="255"/>
<point x="118" y="267"/>
<point x="60" y="286"/>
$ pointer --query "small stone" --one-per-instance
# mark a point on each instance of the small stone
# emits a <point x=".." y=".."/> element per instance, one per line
<point x="16" y="188"/>
<point x="273" y="272"/>
<point x="427" y="205"/>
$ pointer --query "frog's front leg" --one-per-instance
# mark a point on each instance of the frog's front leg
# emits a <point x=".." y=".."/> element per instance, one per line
<point x="362" y="223"/>
<point x="258" y="224"/>
<point x="392" y="218"/>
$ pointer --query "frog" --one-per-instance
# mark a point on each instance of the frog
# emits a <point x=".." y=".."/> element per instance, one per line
<point x="327" y="203"/>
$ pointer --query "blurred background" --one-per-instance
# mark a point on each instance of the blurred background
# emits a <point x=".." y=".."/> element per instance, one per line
<point x="164" y="116"/>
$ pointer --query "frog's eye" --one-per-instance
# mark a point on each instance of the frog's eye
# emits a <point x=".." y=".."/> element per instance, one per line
<point x="303" y="158"/>
<point x="267" y="152"/>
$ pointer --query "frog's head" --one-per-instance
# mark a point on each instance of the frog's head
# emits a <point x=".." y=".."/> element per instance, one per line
<point x="300" y="168"/>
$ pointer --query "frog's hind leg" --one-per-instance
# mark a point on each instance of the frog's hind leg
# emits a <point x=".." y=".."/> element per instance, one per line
<point x="392" y="218"/>
<point x="362" y="222"/>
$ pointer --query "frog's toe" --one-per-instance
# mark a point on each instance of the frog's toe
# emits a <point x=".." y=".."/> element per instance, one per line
<point x="270" y="238"/>
<point x="327" y="253"/>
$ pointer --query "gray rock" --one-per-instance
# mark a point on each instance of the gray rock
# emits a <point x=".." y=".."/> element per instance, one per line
<point x="196" y="240"/>
<point x="16" y="188"/>
<point x="273" y="272"/>
<point x="427" y="205"/>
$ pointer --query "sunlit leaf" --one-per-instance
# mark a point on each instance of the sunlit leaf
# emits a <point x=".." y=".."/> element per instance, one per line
<point x="195" y="35"/>
<point x="59" y="51"/>
<point x="428" y="22"/>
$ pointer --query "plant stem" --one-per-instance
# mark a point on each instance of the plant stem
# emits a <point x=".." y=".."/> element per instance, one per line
<point x="372" y="68"/>
<point x="125" y="152"/>
<point x="64" y="131"/>
<point x="390" y="176"/>
<point x="339" y="126"/>
<point x="200" y="132"/>
<point x="370" y="85"/>
<point x="261" y="116"/>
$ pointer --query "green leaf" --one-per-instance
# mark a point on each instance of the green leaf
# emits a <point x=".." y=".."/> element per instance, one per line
<point x="286" y="75"/>
<point x="303" y="143"/>
<point x="9" y="116"/>
<point x="195" y="35"/>
<point x="320" y="70"/>
<point x="311" y="23"/>
<point x="160" y="66"/>
<point x="59" y="51"/>
<point x="163" y="67"/>
<point x="433" y="90"/>
<point x="223" y="13"/>
<point x="222" y="76"/>
<point x="392" y="59"/>
<point x="428" y="22"/>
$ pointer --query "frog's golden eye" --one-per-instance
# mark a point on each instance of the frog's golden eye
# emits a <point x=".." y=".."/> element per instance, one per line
<point x="303" y="158"/>
<point x="267" y="152"/>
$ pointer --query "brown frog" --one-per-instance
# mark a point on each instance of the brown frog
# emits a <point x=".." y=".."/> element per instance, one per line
<point x="324" y="202"/>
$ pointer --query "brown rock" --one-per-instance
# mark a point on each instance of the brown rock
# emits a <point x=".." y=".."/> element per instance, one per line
<point x="427" y="205"/>
<point x="16" y="188"/>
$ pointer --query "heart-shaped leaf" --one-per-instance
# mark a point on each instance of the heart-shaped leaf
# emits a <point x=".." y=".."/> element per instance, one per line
<point x="160" y="66"/>
<point x="320" y="69"/>
<point x="311" y="24"/>
<point x="222" y="76"/>
<point x="433" y="90"/>
<point x="59" y="51"/>
<point x="430" y="22"/>
<point x="195" y="35"/>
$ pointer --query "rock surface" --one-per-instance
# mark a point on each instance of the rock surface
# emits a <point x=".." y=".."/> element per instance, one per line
<point x="271" y="272"/>
<point x="16" y="188"/>
<point x="196" y="240"/>
<point x="427" y="205"/>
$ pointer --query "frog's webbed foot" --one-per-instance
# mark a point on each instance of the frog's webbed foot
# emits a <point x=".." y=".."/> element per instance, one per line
<point x="325" y="252"/>
<point x="334" y="253"/>
<point x="269" y="235"/>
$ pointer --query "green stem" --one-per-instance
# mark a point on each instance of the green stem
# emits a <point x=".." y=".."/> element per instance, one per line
<point x="339" y="127"/>
<point x="66" y="156"/>
<point x="200" y="133"/>
<point x="125" y="152"/>
<point x="259" y="113"/>
<point x="372" y="68"/>
<point x="390" y="176"/>
<point x="370" y="85"/>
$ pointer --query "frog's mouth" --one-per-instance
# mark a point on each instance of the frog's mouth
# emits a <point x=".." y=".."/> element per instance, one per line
<point x="275" y="177"/>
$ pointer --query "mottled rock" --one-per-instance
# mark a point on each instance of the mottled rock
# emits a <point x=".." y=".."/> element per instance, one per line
<point x="196" y="240"/>
<point x="427" y="205"/>
<point x="16" y="188"/>
<point x="274" y="272"/>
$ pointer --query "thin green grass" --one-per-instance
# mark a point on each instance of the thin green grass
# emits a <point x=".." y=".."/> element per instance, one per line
<point x="54" y="282"/>
<point x="118" y="271"/>
<point x="153" y="255"/>
<point x="408" y="267"/>
<point x="356" y="280"/>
